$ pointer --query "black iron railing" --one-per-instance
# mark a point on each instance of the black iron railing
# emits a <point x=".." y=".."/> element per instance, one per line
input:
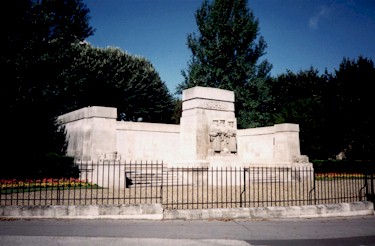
<point x="116" y="182"/>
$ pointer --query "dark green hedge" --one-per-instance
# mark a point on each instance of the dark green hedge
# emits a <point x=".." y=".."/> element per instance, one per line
<point x="49" y="166"/>
<point x="362" y="166"/>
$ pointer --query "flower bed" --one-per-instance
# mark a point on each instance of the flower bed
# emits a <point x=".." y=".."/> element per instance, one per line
<point x="15" y="185"/>
<point x="331" y="176"/>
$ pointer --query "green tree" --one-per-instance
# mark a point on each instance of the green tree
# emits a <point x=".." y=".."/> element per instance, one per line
<point x="301" y="98"/>
<point x="226" y="53"/>
<point x="35" y="43"/>
<point x="352" y="118"/>
<point x="110" y="77"/>
<point x="177" y="112"/>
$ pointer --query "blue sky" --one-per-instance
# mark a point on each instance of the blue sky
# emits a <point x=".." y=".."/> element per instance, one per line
<point x="299" y="33"/>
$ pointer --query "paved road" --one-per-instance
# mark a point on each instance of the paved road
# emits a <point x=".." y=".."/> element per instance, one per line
<point x="329" y="231"/>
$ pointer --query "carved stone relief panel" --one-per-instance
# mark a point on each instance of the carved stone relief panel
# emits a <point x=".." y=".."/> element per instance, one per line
<point x="223" y="139"/>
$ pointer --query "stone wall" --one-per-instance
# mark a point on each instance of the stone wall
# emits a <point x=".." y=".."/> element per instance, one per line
<point x="91" y="132"/>
<point x="94" y="134"/>
<point x="207" y="136"/>
<point x="274" y="144"/>
<point x="147" y="141"/>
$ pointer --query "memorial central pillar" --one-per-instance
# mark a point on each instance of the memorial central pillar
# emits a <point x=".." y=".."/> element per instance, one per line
<point x="202" y="109"/>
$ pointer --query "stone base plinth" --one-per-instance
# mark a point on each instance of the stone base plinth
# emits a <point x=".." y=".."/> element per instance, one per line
<point x="188" y="164"/>
<point x="278" y="164"/>
<point x="226" y="160"/>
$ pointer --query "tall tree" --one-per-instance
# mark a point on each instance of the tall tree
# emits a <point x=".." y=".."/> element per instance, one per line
<point x="226" y="53"/>
<point x="51" y="70"/>
<point x="110" y="77"/>
<point x="301" y="98"/>
<point x="35" y="43"/>
<point x="351" y="116"/>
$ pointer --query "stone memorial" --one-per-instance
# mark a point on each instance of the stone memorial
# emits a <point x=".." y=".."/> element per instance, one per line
<point x="206" y="137"/>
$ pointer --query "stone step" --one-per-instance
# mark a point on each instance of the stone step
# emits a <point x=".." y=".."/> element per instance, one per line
<point x="147" y="178"/>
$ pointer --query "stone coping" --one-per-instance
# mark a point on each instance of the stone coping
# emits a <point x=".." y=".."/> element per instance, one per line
<point x="88" y="112"/>
<point x="309" y="211"/>
<point x="147" y="127"/>
<point x="266" y="130"/>
<point x="208" y="93"/>
<point x="156" y="212"/>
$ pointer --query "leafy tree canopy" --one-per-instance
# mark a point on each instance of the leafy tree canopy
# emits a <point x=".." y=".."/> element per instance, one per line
<point x="331" y="109"/>
<point x="111" y="77"/>
<point x="36" y="40"/>
<point x="50" y="70"/>
<point x="301" y="98"/>
<point x="351" y="114"/>
<point x="225" y="54"/>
